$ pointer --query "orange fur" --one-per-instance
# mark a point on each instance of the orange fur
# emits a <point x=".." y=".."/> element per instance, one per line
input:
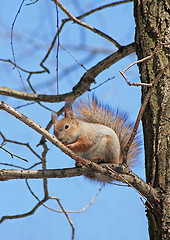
<point x="81" y="145"/>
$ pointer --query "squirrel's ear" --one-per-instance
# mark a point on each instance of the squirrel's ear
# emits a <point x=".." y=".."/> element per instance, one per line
<point x="68" y="105"/>
<point x="54" y="117"/>
<point x="68" y="110"/>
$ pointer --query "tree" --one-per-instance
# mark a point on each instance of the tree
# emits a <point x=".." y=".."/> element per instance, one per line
<point x="151" y="46"/>
<point x="152" y="27"/>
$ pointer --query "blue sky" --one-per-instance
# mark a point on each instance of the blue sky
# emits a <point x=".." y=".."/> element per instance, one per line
<point x="117" y="213"/>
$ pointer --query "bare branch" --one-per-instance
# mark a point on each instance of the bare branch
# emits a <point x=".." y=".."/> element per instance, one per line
<point x="44" y="153"/>
<point x="34" y="97"/>
<point x="20" y="143"/>
<point x="139" y="61"/>
<point x="95" y="30"/>
<point x="122" y="173"/>
<point x="130" y="185"/>
<point x="82" y="86"/>
<point x="12" y="46"/>
<point x="24" y="214"/>
<point x="8" y="174"/>
<point x="136" y="84"/>
<point x="102" y="83"/>
<point x="12" y="154"/>
<point x="31" y="3"/>
<point x="66" y="214"/>
<point x="58" y="211"/>
<point x="77" y="211"/>
<point x="73" y="57"/>
<point x="102" y="7"/>
<point x="11" y="165"/>
<point x="24" y="70"/>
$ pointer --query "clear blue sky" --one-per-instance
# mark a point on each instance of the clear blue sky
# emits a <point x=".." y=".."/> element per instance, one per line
<point x="117" y="213"/>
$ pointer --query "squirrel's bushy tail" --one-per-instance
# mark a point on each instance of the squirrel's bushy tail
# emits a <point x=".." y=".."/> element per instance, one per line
<point x="93" y="111"/>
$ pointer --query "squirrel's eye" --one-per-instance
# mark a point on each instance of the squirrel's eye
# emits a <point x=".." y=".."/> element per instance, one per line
<point x="66" y="126"/>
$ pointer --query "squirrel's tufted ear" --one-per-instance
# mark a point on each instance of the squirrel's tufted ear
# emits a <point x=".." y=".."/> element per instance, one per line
<point x="68" y="105"/>
<point x="54" y="117"/>
<point x="68" y="110"/>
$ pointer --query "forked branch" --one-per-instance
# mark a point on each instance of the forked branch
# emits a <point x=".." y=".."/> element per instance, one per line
<point x="85" y="25"/>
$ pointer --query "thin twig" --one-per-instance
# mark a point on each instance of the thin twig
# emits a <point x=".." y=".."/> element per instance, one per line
<point x="31" y="3"/>
<point x="102" y="83"/>
<point x="61" y="206"/>
<point x="136" y="84"/>
<point x="103" y="7"/>
<point x="12" y="45"/>
<point x="13" y="155"/>
<point x="25" y="105"/>
<point x="144" y="203"/>
<point x="16" y="166"/>
<point x="22" y="69"/>
<point x="11" y="165"/>
<point x="20" y="143"/>
<point x="50" y="49"/>
<point x="24" y="214"/>
<point x="66" y="214"/>
<point x="118" y="184"/>
<point x="30" y="85"/>
<point x="73" y="57"/>
<point x="77" y="211"/>
<point x="139" y="61"/>
<point x="29" y="188"/>
<point x="34" y="165"/>
<point x="57" y="51"/>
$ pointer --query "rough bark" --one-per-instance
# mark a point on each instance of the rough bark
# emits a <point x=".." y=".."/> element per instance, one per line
<point x="152" y="27"/>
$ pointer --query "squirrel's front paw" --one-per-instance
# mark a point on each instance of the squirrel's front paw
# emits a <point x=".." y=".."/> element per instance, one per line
<point x="71" y="146"/>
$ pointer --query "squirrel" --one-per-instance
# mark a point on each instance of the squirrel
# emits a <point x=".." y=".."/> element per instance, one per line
<point x="94" y="132"/>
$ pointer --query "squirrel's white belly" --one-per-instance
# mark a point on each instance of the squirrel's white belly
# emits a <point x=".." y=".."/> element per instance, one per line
<point x="106" y="146"/>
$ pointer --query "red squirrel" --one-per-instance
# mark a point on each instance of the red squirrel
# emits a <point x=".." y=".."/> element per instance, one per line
<point x="95" y="133"/>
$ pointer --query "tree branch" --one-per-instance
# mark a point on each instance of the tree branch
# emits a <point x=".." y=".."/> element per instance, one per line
<point x="24" y="214"/>
<point x="82" y="86"/>
<point x="120" y="173"/>
<point x="79" y="17"/>
<point x="102" y="7"/>
<point x="95" y="30"/>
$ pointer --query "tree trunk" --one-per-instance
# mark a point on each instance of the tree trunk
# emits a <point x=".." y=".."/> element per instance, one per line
<point x="152" y="27"/>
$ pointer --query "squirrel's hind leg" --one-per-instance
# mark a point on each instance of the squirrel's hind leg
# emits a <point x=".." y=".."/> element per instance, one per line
<point x="112" y="152"/>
